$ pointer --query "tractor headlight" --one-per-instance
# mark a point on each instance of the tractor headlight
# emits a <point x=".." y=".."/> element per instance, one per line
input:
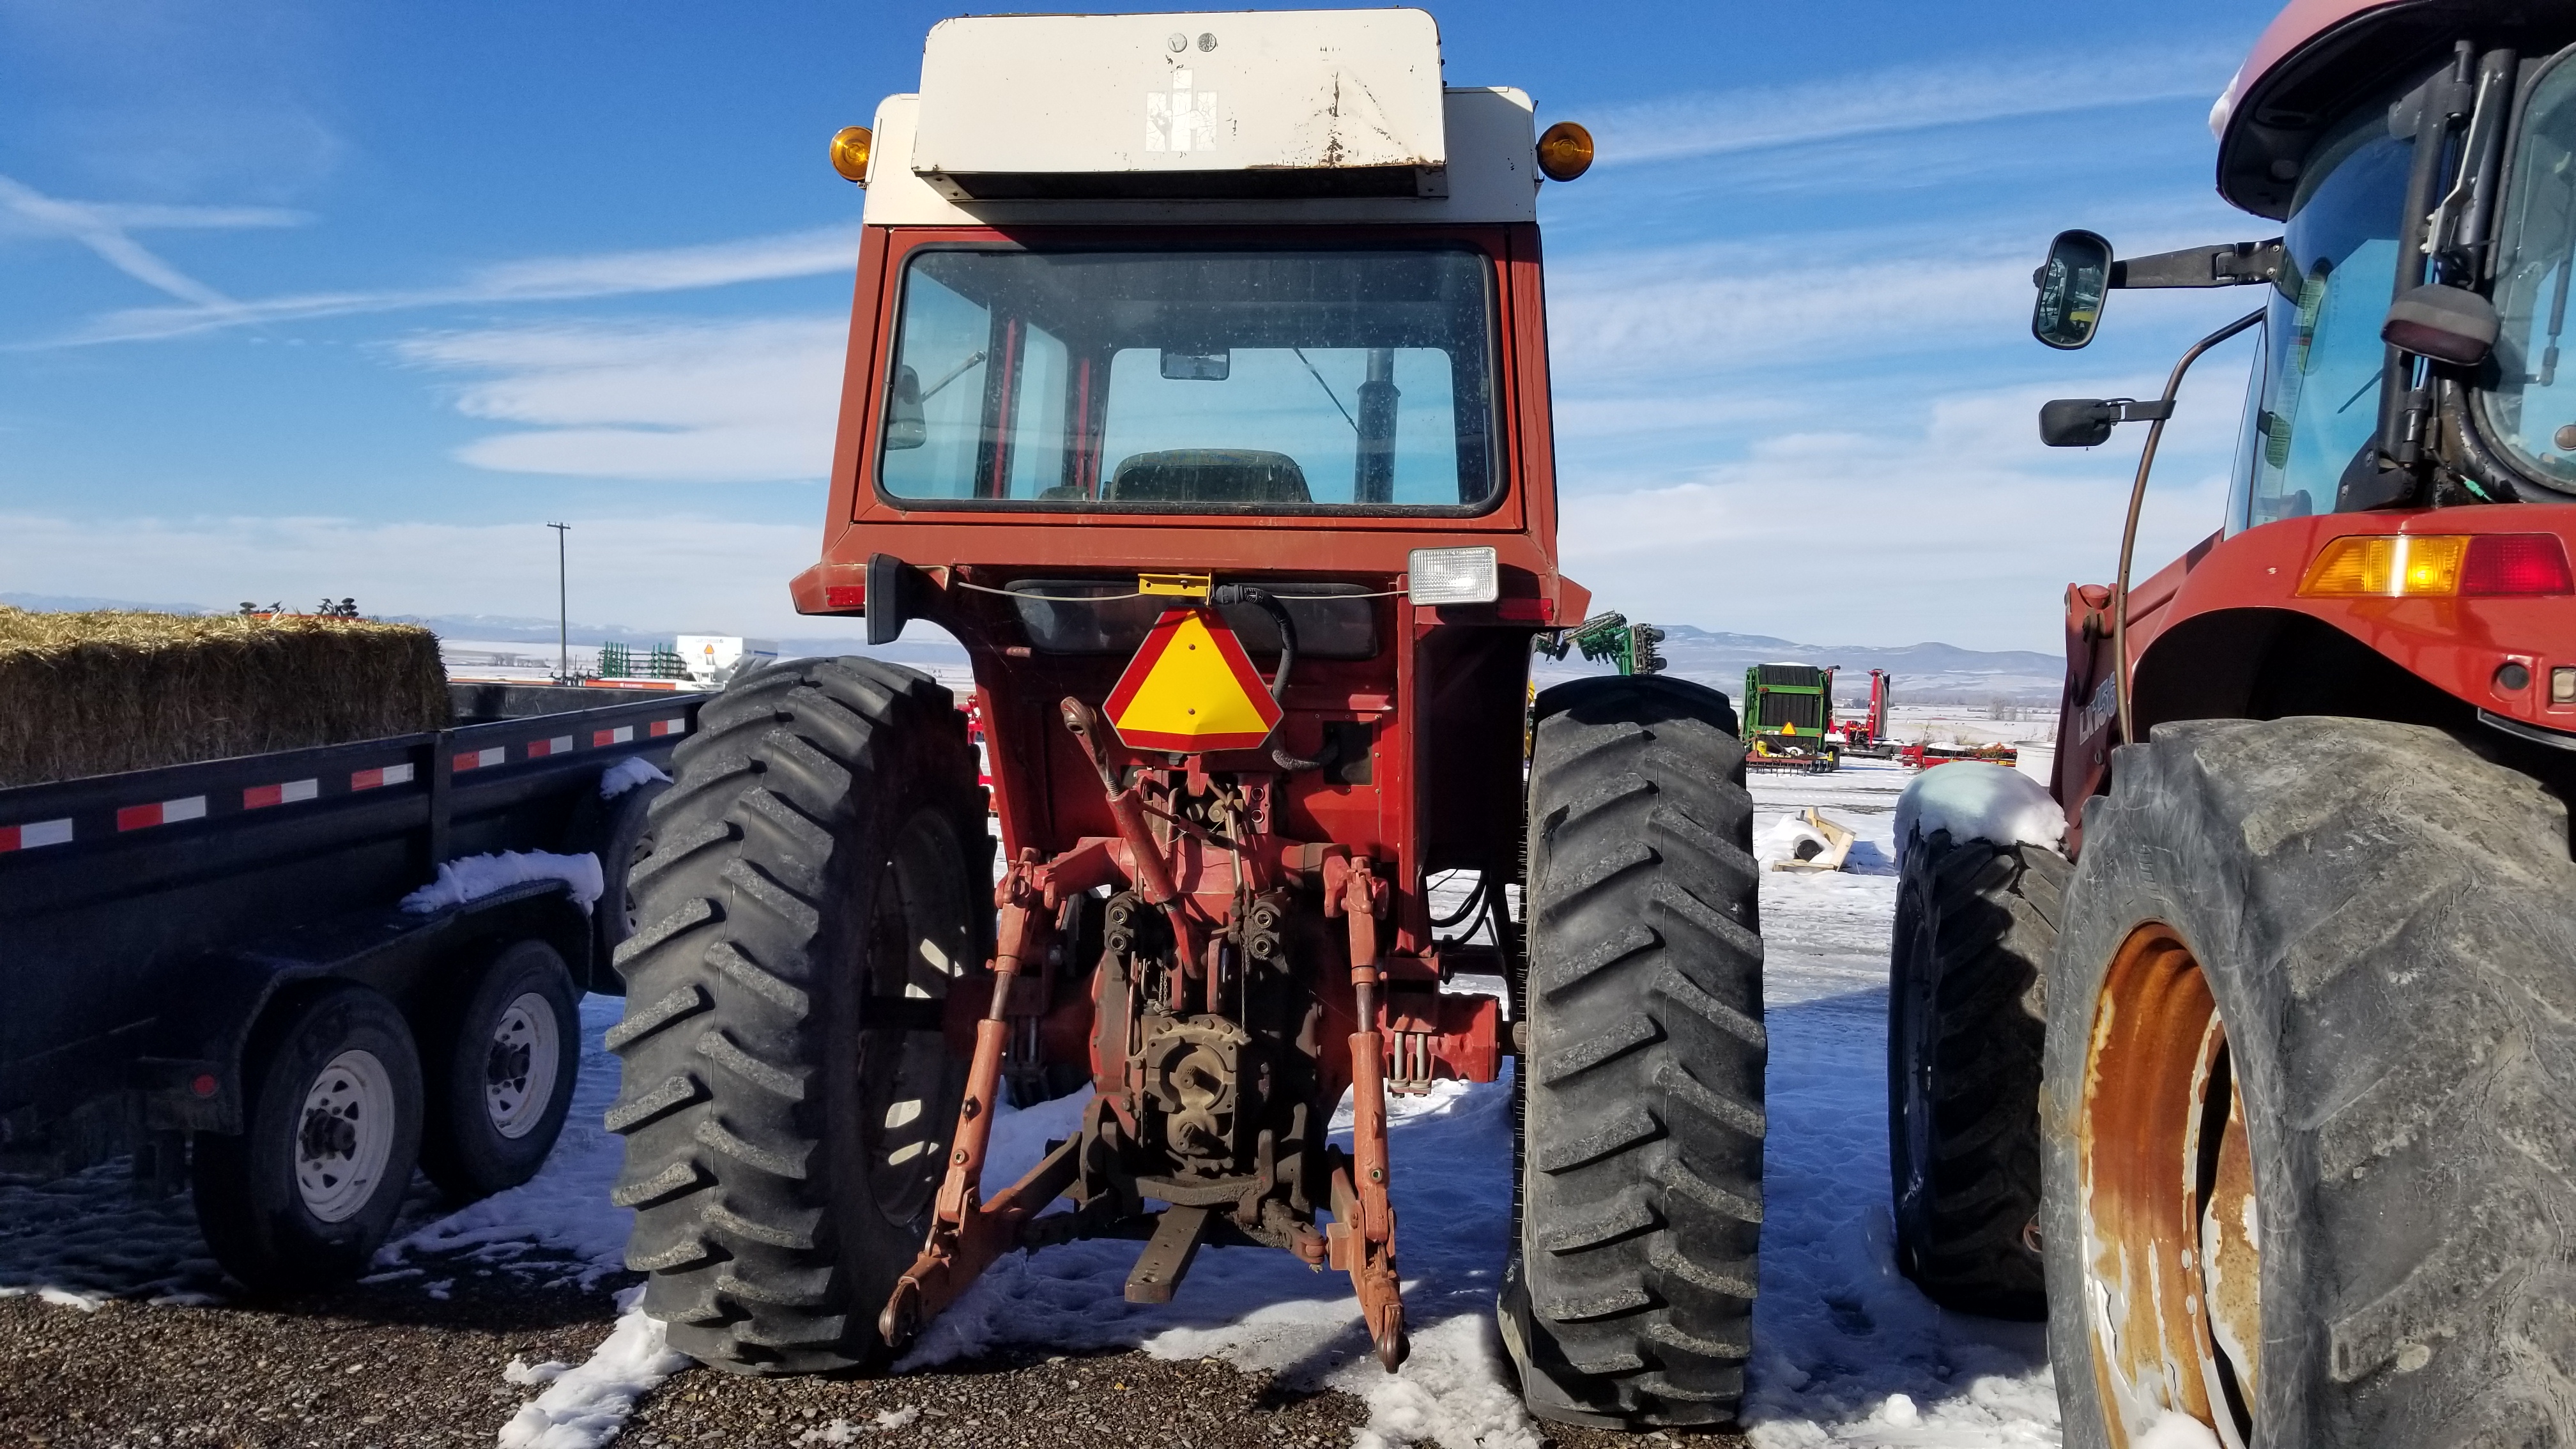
<point x="1453" y="576"/>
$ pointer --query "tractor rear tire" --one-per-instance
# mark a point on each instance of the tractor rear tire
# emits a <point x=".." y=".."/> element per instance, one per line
<point x="2312" y="1030"/>
<point x="1967" y="1022"/>
<point x="1628" y="1300"/>
<point x="817" y="883"/>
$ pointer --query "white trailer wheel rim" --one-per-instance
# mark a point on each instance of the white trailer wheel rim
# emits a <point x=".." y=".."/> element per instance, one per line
<point x="344" y="1135"/>
<point x="519" y="1067"/>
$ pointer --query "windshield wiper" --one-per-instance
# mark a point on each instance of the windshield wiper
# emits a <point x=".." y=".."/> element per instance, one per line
<point x="1328" y="389"/>
<point x="954" y="373"/>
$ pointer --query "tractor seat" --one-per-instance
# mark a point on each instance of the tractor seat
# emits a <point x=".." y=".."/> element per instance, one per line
<point x="1209" y="475"/>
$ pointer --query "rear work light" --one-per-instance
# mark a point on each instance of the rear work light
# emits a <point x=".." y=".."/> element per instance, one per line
<point x="1453" y="576"/>
<point x="2411" y="566"/>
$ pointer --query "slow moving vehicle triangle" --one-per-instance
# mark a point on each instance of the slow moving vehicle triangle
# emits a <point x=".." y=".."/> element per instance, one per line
<point x="1191" y="688"/>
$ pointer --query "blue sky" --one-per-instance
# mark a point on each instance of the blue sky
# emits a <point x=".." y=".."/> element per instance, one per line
<point x="308" y="299"/>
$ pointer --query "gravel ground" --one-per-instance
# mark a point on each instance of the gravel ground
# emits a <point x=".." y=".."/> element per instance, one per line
<point x="371" y="1365"/>
<point x="387" y="1365"/>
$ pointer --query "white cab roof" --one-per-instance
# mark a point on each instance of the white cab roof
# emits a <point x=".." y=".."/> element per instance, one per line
<point x="1492" y="176"/>
<point x="1271" y="116"/>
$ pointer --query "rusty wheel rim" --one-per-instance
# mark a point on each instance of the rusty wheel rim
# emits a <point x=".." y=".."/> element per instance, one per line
<point x="2171" y="1245"/>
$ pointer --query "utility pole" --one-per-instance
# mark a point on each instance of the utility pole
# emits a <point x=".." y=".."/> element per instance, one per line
<point x="563" y="609"/>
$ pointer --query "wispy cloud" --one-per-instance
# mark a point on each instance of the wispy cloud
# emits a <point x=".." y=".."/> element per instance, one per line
<point x="719" y="402"/>
<point x="1952" y="507"/>
<point x="811" y="252"/>
<point x="105" y="227"/>
<point x="1903" y="98"/>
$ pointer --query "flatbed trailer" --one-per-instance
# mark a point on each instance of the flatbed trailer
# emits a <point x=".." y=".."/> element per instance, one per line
<point x="174" y="941"/>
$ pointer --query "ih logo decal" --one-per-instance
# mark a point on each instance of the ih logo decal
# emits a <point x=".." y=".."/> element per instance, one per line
<point x="1191" y="689"/>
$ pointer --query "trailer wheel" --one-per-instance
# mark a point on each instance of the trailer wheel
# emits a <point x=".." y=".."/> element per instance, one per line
<point x="1966" y="1026"/>
<point x="788" y="1096"/>
<point x="2312" y="1040"/>
<point x="619" y="831"/>
<point x="500" y="1071"/>
<point x="309" y="1189"/>
<point x="1629" y="1297"/>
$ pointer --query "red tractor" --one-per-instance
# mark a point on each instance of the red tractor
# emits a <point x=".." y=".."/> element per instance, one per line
<point x="1867" y="735"/>
<point x="1197" y="385"/>
<point x="2269" y="1099"/>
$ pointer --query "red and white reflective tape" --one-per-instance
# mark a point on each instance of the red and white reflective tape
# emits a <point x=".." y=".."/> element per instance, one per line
<point x="663" y="727"/>
<point x="291" y="793"/>
<point x="622" y="735"/>
<point x="35" y="833"/>
<point x="559" y="745"/>
<point x="477" y="759"/>
<point x="389" y="775"/>
<point x="164" y="812"/>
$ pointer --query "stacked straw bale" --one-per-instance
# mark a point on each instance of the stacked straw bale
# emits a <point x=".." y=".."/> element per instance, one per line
<point x="94" y="693"/>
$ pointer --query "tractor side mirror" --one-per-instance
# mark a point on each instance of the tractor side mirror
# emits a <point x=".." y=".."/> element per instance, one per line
<point x="2446" y="324"/>
<point x="2071" y="283"/>
<point x="905" y="427"/>
<point x="2077" y="422"/>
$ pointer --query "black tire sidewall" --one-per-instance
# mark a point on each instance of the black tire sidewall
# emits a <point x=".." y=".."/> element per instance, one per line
<point x="462" y="1149"/>
<point x="2163" y="863"/>
<point x="1912" y="988"/>
<point x="874" y="1250"/>
<point x="248" y="1205"/>
<point x="623" y="838"/>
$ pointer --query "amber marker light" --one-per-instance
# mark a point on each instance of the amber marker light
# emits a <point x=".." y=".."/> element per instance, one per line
<point x="2414" y="566"/>
<point x="1564" y="151"/>
<point x="2386" y="565"/>
<point x="850" y="153"/>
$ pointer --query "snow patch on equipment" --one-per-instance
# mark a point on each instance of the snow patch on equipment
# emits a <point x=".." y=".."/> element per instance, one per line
<point x="626" y="774"/>
<point x="587" y="1406"/>
<point x="1780" y="840"/>
<point x="476" y="876"/>
<point x="1974" y="800"/>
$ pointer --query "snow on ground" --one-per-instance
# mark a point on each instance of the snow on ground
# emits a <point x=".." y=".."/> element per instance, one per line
<point x="1847" y="1353"/>
<point x="584" y="1407"/>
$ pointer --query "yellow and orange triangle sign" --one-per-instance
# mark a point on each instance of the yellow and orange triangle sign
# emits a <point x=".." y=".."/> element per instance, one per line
<point x="1191" y="689"/>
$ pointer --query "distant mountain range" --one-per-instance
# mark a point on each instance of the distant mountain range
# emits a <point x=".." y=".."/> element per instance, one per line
<point x="1925" y="673"/>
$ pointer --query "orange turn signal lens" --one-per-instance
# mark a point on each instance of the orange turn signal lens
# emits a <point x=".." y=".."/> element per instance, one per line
<point x="1564" y="152"/>
<point x="850" y="153"/>
<point x="2387" y="565"/>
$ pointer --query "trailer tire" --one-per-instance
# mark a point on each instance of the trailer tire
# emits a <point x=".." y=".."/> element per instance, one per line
<point x="618" y="830"/>
<point x="787" y="1110"/>
<point x="1967" y="1023"/>
<point x="500" y="1068"/>
<point x="2311" y="1023"/>
<point x="1628" y="1298"/>
<point x="306" y="1193"/>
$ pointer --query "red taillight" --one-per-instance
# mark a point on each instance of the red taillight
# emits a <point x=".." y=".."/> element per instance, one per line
<point x="2516" y="563"/>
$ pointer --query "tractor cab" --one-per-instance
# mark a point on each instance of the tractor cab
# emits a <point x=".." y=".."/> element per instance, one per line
<point x="2396" y="539"/>
<point x="1250" y="298"/>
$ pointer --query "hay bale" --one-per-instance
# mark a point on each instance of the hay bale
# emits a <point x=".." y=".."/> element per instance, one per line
<point x="94" y="693"/>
